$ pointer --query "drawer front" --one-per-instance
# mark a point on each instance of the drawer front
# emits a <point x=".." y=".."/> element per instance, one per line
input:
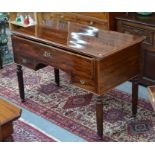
<point x="58" y="16"/>
<point x="90" y="21"/>
<point x="75" y="64"/>
<point x="147" y="34"/>
<point x="99" y="15"/>
<point x="84" y="83"/>
<point x="76" y="17"/>
<point x="73" y="16"/>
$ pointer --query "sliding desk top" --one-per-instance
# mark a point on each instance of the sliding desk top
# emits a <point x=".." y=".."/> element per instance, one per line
<point x="78" y="38"/>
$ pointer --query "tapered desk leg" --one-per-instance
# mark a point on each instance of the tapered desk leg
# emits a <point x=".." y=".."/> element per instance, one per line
<point x="57" y="78"/>
<point x="1" y="61"/>
<point x="99" y="117"/>
<point x="134" y="96"/>
<point x="20" y="82"/>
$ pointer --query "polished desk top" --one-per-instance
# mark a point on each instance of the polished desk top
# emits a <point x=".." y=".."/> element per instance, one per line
<point x="79" y="38"/>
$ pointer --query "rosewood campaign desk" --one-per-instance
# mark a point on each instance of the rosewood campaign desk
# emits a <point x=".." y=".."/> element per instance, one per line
<point x="96" y="60"/>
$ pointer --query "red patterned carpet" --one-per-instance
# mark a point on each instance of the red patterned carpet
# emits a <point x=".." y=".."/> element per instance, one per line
<point x="74" y="109"/>
<point x="23" y="132"/>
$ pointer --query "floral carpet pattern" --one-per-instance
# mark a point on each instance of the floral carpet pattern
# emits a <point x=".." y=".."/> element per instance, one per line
<point x="74" y="109"/>
<point x="23" y="132"/>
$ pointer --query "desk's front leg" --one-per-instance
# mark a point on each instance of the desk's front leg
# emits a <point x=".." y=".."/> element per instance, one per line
<point x="99" y="117"/>
<point x="57" y="78"/>
<point x="20" y="82"/>
<point x="134" y="96"/>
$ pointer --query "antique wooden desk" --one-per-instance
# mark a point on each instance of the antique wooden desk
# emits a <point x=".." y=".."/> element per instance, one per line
<point x="96" y="60"/>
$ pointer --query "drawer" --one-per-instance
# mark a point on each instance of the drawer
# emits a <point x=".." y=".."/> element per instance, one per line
<point x="99" y="15"/>
<point x="72" y="63"/>
<point x="64" y="17"/>
<point x="84" y="83"/>
<point x="77" y="18"/>
<point x="90" y="21"/>
<point x="46" y="18"/>
<point x="147" y="34"/>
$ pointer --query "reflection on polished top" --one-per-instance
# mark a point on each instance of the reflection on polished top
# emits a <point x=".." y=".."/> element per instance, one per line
<point x="75" y="37"/>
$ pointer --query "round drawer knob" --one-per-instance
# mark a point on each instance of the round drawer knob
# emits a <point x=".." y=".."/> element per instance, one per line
<point x="82" y="82"/>
<point x="91" y="23"/>
<point x="43" y="21"/>
<point x="24" y="61"/>
<point x="62" y="16"/>
<point x="144" y="37"/>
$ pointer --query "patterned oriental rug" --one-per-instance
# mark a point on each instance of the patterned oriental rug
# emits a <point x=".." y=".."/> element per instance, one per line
<point x="23" y="132"/>
<point x="74" y="109"/>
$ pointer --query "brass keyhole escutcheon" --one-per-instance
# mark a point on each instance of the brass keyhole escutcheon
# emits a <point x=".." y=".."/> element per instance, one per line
<point x="47" y="54"/>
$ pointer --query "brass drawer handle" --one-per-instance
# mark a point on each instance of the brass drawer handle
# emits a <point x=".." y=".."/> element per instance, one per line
<point x="47" y="54"/>
<point x="82" y="82"/>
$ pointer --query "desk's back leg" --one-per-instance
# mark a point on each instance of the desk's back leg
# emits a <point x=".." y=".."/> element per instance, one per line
<point x="1" y="61"/>
<point x="20" y="82"/>
<point x="57" y="78"/>
<point x="99" y="117"/>
<point x="134" y="96"/>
